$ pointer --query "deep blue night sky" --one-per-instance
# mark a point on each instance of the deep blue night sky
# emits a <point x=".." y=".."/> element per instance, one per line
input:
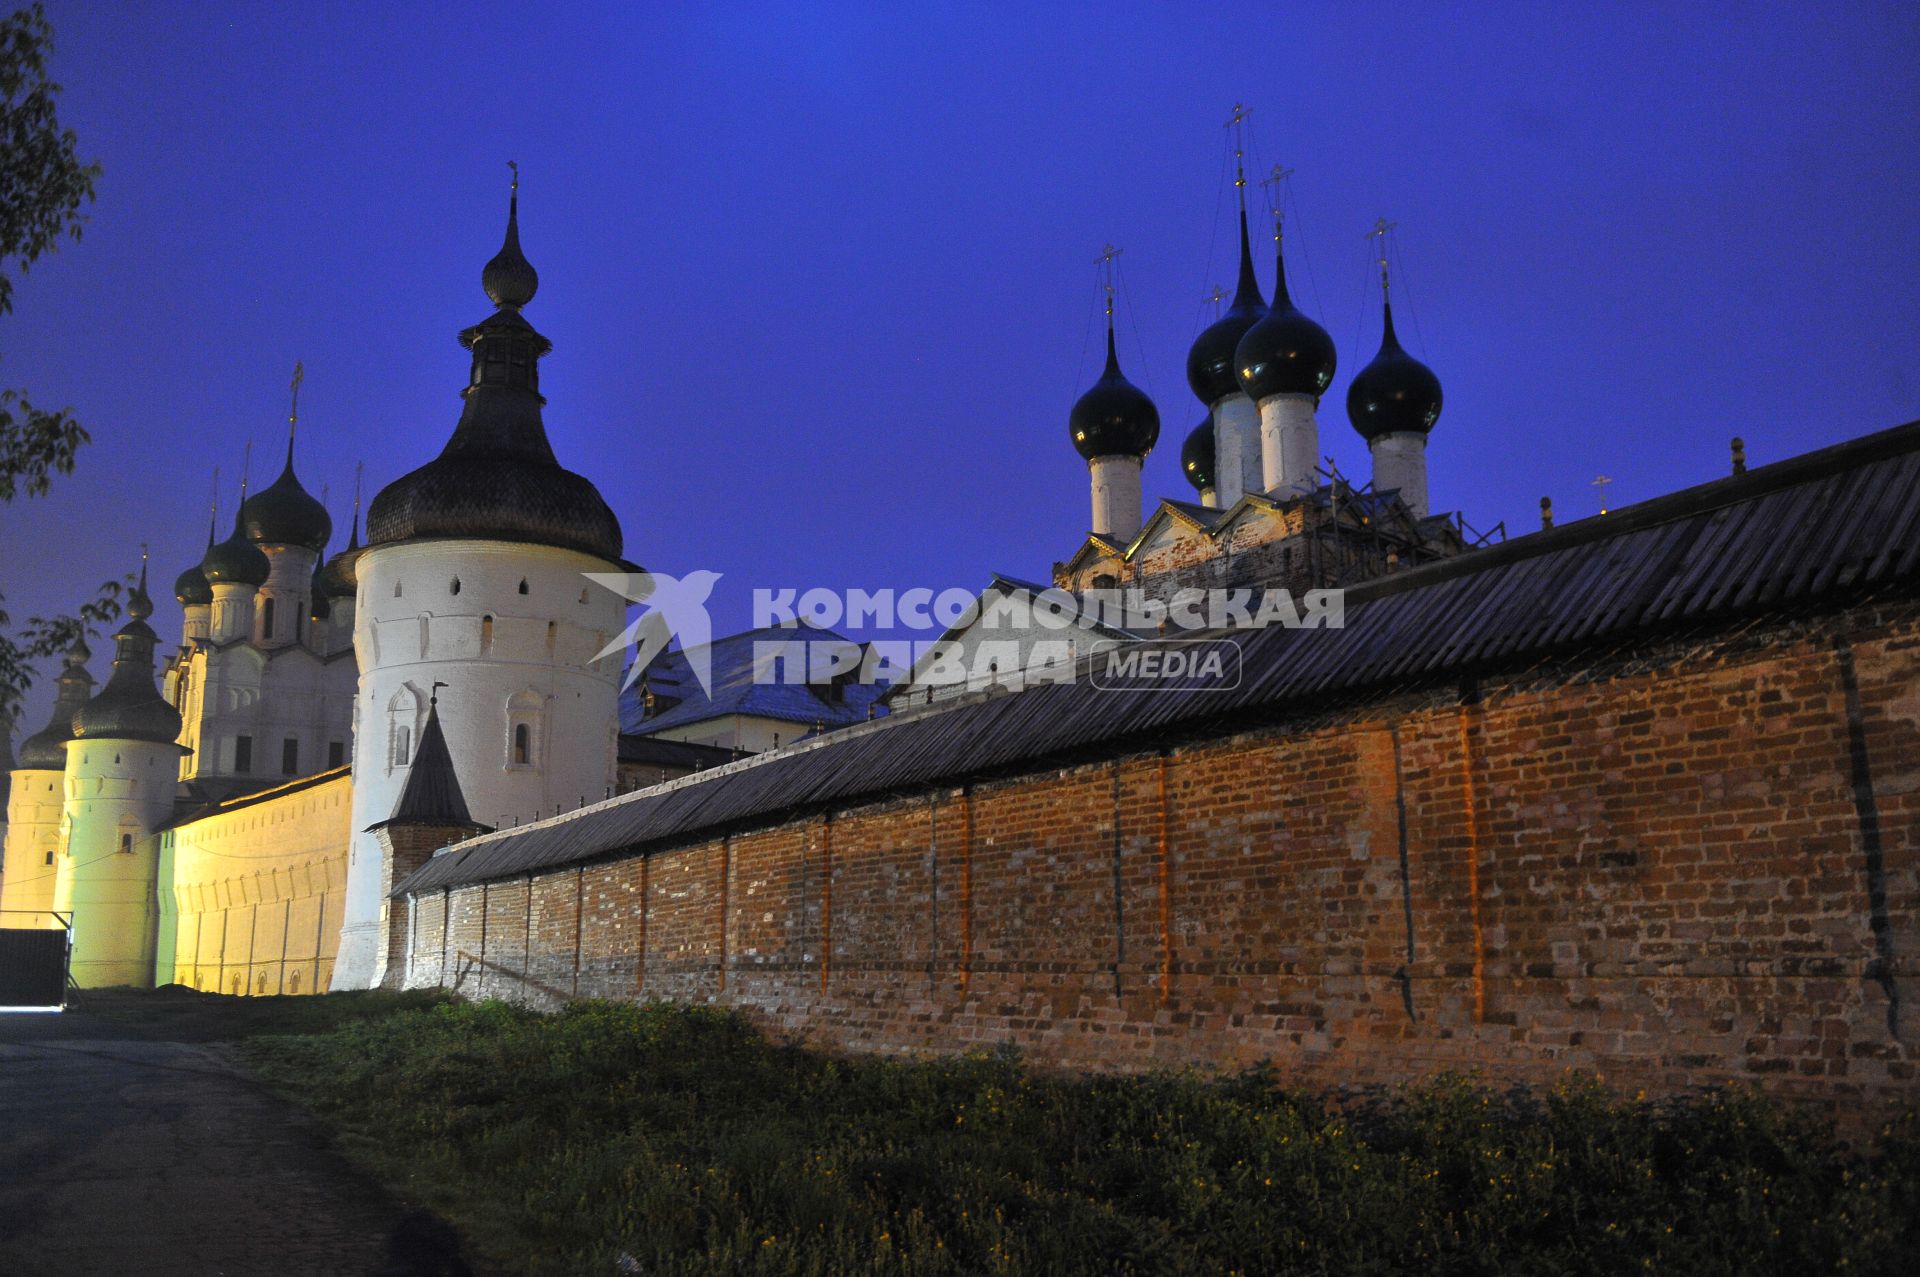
<point x="820" y="280"/>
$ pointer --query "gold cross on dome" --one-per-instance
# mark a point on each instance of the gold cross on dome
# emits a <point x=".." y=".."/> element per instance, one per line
<point x="1601" y="483"/>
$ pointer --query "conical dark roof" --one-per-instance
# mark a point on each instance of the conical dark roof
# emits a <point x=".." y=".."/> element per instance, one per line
<point x="129" y="707"/>
<point x="45" y="750"/>
<point x="432" y="794"/>
<point x="497" y="479"/>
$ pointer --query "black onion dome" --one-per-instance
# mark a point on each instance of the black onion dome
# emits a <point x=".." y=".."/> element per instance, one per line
<point x="1285" y="353"/>
<point x="1115" y="418"/>
<point x="1394" y="393"/>
<point x="1197" y="456"/>
<point x="497" y="478"/>
<point x="192" y="589"/>
<point x="1211" y="369"/>
<point x="129" y="707"/>
<point x="336" y="579"/>
<point x="44" y="750"/>
<point x="285" y="514"/>
<point x="236" y="559"/>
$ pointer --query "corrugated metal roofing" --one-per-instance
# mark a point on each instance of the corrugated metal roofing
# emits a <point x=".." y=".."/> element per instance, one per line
<point x="1813" y="530"/>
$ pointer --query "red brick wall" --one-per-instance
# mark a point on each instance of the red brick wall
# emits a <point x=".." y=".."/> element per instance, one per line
<point x="1658" y="870"/>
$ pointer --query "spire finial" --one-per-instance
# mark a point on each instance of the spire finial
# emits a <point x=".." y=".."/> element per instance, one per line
<point x="1600" y="482"/>
<point x="293" y="410"/>
<point x="246" y="469"/>
<point x="213" y="506"/>
<point x="509" y="278"/>
<point x="1546" y="513"/>
<point x="1379" y="232"/>
<point x="353" y="539"/>
<point x="1273" y="183"/>
<point x="1239" y="126"/>
<point x="433" y="693"/>
<point x="1739" y="455"/>
<point x="1105" y="262"/>
<point x="1217" y="296"/>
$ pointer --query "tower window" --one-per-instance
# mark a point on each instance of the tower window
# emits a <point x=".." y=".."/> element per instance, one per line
<point x="266" y="619"/>
<point x="522" y="744"/>
<point x="523" y="585"/>
<point x="583" y="596"/>
<point x="402" y="745"/>
<point x="243" y="753"/>
<point x="454" y="588"/>
<point x="486" y="633"/>
<point x="336" y="753"/>
<point x="126" y="844"/>
<point x="290" y="757"/>
<point x="396" y="589"/>
<point x="49" y="859"/>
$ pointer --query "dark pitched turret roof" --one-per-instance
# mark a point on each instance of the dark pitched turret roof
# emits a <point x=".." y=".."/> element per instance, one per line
<point x="432" y="793"/>
<point x="497" y="478"/>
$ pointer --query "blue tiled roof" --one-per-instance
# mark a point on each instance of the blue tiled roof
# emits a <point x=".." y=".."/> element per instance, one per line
<point x="736" y="691"/>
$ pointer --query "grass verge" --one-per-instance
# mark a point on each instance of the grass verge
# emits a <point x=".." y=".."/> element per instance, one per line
<point x="667" y="1140"/>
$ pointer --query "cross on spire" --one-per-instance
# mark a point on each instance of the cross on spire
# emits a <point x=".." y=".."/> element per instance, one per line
<point x="1105" y="261"/>
<point x="1273" y="184"/>
<point x="1379" y="232"/>
<point x="1601" y="482"/>
<point x="514" y="189"/>
<point x="1217" y="296"/>
<point x="293" y="411"/>
<point x="1238" y="125"/>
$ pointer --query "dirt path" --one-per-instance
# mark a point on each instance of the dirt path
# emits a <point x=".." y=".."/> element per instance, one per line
<point x="122" y="1156"/>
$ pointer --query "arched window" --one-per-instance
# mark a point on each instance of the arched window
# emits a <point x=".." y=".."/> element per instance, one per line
<point x="396" y="589"/>
<point x="266" y="618"/>
<point x="523" y="585"/>
<point x="404" y="711"/>
<point x="525" y="711"/>
<point x="455" y="587"/>
<point x="486" y="633"/>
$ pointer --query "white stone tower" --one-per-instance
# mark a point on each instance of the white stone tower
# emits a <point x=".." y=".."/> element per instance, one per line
<point x="36" y="797"/>
<point x="120" y="786"/>
<point x="472" y="583"/>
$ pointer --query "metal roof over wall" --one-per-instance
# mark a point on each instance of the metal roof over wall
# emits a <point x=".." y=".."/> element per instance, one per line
<point x="1815" y="531"/>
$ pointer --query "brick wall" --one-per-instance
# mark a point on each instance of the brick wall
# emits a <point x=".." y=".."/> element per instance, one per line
<point x="1684" y="866"/>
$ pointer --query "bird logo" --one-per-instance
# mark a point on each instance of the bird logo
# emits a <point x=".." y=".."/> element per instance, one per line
<point x="676" y="608"/>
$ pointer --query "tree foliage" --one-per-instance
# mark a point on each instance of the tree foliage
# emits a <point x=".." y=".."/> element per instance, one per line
<point x="43" y="186"/>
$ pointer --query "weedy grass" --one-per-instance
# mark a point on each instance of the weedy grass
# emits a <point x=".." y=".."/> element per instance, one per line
<point x="665" y="1140"/>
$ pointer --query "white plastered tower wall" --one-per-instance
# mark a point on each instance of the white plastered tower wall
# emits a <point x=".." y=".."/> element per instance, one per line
<point x="1115" y="481"/>
<point x="1236" y="443"/>
<point x="286" y="598"/>
<point x="509" y="659"/>
<point x="232" y="612"/>
<point x="1400" y="462"/>
<point x="1289" y="445"/>
<point x="117" y="792"/>
<point x="34" y="804"/>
